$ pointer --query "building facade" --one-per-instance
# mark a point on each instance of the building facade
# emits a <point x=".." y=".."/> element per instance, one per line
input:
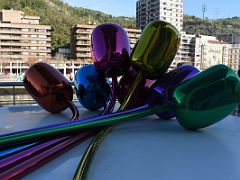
<point x="166" y="10"/>
<point x="23" y="41"/>
<point x="234" y="57"/>
<point x="170" y="11"/>
<point x="186" y="52"/>
<point x="210" y="51"/>
<point x="198" y="50"/>
<point x="80" y="45"/>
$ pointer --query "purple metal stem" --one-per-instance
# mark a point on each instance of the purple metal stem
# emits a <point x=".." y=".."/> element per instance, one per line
<point x="30" y="152"/>
<point x="112" y="102"/>
<point x="27" y="166"/>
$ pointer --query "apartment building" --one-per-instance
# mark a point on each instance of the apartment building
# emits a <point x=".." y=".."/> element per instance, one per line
<point x="80" y="46"/>
<point x="23" y="41"/>
<point x="210" y="51"/>
<point x="234" y="57"/>
<point x="186" y="52"/>
<point x="166" y="10"/>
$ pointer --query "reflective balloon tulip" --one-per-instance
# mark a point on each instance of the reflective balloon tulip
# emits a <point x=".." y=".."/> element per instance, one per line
<point x="93" y="91"/>
<point x="111" y="49"/>
<point x="163" y="89"/>
<point x="201" y="101"/>
<point x="153" y="54"/>
<point x="48" y="87"/>
<point x="141" y="93"/>
<point x="156" y="48"/>
<point x="207" y="98"/>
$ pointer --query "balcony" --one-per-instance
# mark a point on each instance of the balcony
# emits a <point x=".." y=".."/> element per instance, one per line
<point x="81" y="55"/>
<point x="24" y="38"/>
<point x="13" y="44"/>
<point x="24" y="32"/>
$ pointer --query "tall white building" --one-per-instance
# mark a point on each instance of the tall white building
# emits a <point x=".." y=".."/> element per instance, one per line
<point x="170" y="11"/>
<point x="166" y="10"/>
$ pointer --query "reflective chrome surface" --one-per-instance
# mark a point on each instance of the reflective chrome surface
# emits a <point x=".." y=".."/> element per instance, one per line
<point x="156" y="48"/>
<point x="111" y="49"/>
<point x="48" y="87"/>
<point x="93" y="91"/>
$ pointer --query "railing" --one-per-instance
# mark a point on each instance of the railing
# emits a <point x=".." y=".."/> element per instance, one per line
<point x="13" y="85"/>
<point x="12" y="93"/>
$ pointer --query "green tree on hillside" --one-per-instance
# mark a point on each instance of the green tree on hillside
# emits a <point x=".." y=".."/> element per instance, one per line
<point x="62" y="17"/>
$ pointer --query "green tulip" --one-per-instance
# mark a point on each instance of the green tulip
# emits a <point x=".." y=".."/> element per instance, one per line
<point x="203" y="101"/>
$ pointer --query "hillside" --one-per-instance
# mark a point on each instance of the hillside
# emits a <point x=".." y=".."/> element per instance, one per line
<point x="225" y="29"/>
<point x="62" y="17"/>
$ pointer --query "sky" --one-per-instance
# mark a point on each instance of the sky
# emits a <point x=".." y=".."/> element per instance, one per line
<point x="216" y="9"/>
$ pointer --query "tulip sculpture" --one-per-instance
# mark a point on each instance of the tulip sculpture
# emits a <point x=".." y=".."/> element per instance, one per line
<point x="160" y="92"/>
<point x="49" y="88"/>
<point x="199" y="102"/>
<point x="93" y="91"/>
<point x="151" y="58"/>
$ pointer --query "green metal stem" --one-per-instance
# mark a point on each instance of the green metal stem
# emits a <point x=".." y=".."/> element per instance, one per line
<point x="86" y="160"/>
<point x="74" y="127"/>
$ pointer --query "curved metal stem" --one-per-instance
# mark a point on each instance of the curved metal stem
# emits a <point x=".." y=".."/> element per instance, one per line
<point x="85" y="162"/>
<point x="74" y="110"/>
<point x="87" y="158"/>
<point x="112" y="102"/>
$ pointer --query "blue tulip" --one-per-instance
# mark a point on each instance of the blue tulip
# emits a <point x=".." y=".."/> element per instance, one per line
<point x="93" y="91"/>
